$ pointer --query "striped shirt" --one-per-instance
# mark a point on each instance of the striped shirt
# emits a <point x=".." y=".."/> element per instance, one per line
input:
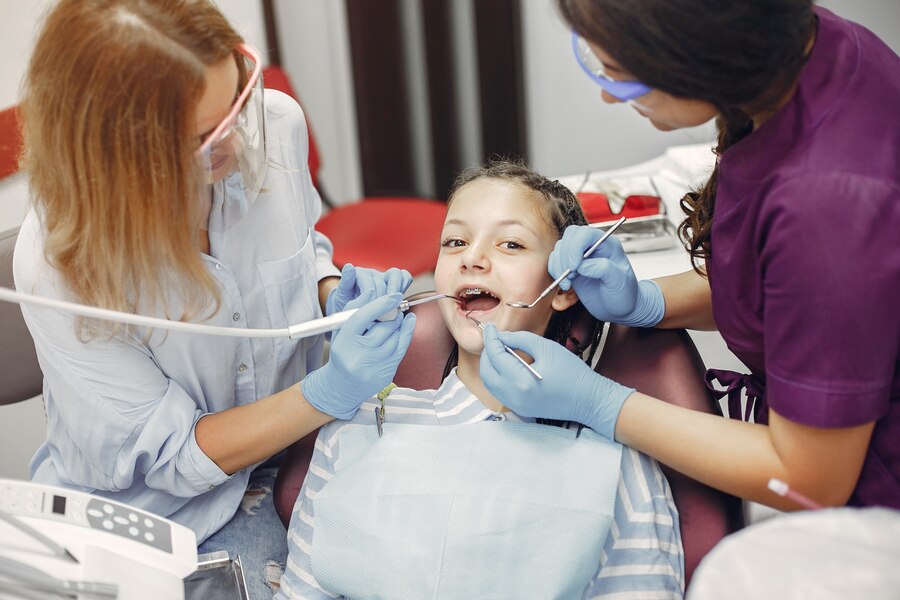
<point x="642" y="558"/>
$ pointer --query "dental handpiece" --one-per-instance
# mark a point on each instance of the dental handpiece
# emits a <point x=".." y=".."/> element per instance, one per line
<point x="332" y="322"/>
<point x="301" y="330"/>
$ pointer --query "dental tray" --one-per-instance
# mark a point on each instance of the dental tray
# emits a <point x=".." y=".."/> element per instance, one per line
<point x="643" y="233"/>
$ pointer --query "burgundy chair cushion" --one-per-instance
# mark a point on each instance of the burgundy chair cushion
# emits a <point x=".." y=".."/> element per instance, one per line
<point x="665" y="364"/>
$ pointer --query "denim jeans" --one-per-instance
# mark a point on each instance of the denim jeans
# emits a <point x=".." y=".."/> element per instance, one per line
<point x="255" y="533"/>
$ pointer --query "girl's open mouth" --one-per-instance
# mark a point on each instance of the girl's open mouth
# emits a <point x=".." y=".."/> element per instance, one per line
<point x="477" y="300"/>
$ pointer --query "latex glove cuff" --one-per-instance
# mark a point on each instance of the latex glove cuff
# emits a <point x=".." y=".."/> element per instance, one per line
<point x="601" y="410"/>
<point x="323" y="396"/>
<point x="650" y="308"/>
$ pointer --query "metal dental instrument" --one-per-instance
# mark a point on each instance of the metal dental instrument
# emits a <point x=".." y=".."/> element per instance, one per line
<point x="332" y="322"/>
<point x="509" y="350"/>
<point x="566" y="273"/>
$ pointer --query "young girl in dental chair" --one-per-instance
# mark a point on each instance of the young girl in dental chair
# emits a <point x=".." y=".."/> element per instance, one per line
<point x="488" y="504"/>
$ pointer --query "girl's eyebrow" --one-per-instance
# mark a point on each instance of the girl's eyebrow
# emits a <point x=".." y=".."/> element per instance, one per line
<point x="503" y="223"/>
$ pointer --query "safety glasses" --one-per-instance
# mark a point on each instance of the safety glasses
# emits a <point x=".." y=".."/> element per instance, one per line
<point x="226" y="128"/>
<point x="625" y="91"/>
<point x="233" y="157"/>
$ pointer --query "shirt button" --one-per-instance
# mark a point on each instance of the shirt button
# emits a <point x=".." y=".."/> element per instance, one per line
<point x="218" y="266"/>
<point x="242" y="368"/>
<point x="236" y="316"/>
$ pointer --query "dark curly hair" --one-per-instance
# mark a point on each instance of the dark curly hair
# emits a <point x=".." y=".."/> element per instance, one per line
<point x="742" y="56"/>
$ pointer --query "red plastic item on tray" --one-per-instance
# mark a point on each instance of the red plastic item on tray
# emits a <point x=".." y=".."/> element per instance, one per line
<point x="596" y="207"/>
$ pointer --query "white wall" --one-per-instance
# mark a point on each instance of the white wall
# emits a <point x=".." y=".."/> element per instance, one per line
<point x="315" y="52"/>
<point x="570" y="129"/>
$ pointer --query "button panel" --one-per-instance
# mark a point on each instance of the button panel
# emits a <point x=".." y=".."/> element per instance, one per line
<point x="25" y="499"/>
<point x="126" y="522"/>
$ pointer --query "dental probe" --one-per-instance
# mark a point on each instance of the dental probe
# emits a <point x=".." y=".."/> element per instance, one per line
<point x="510" y="351"/>
<point x="301" y="330"/>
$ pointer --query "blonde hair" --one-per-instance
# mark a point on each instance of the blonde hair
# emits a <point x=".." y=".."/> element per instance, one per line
<point x="109" y="111"/>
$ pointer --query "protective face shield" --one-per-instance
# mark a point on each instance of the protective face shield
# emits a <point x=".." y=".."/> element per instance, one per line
<point x="233" y="156"/>
<point x="626" y="91"/>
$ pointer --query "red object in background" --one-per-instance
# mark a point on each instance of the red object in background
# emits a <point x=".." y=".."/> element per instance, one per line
<point x="10" y="141"/>
<point x="378" y="233"/>
<point x="381" y="233"/>
<point x="597" y="210"/>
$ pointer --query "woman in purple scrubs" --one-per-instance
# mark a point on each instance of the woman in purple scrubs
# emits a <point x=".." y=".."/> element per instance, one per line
<point x="795" y="238"/>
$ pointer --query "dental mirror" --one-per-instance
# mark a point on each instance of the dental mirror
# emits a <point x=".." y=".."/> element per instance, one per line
<point x="567" y="272"/>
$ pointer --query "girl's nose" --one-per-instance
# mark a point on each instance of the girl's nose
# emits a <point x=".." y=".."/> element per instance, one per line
<point x="474" y="258"/>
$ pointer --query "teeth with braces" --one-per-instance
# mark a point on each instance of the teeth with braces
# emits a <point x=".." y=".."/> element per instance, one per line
<point x="468" y="292"/>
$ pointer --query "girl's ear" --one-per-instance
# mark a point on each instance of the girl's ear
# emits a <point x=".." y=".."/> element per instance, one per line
<point x="563" y="299"/>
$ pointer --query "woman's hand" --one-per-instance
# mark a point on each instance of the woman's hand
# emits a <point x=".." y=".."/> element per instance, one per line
<point x="605" y="282"/>
<point x="363" y="358"/>
<point x="569" y="391"/>
<point x="356" y="281"/>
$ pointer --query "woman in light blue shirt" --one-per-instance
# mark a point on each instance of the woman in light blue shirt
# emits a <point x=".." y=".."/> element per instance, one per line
<point x="165" y="185"/>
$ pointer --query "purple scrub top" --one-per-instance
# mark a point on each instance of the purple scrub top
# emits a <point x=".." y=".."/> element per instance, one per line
<point x="805" y="266"/>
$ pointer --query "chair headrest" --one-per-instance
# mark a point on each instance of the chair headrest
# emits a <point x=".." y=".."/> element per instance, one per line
<point x="16" y="346"/>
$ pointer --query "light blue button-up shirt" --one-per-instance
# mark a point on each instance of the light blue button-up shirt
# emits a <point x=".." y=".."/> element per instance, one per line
<point x="122" y="411"/>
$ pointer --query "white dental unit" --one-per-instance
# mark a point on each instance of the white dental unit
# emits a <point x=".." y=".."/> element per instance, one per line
<point x="88" y="547"/>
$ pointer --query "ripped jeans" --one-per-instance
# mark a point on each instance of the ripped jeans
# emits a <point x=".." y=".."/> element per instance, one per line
<point x="256" y="534"/>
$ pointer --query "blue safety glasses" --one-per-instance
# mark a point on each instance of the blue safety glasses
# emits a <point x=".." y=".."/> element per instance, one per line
<point x="593" y="66"/>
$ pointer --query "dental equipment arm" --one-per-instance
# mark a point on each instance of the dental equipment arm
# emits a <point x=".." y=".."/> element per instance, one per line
<point x="55" y="548"/>
<point x="301" y="330"/>
<point x="23" y="576"/>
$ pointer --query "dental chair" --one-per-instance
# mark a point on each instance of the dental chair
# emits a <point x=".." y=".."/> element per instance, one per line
<point x="17" y="353"/>
<point x="662" y="363"/>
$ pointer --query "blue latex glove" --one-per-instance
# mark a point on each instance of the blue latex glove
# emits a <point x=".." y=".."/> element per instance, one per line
<point x="363" y="358"/>
<point x="355" y="281"/>
<point x="570" y="390"/>
<point x="605" y="282"/>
